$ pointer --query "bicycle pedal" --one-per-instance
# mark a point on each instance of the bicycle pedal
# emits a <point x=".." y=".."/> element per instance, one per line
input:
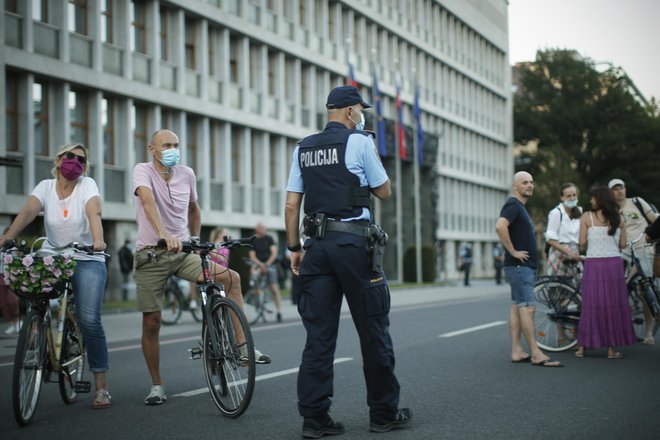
<point x="83" y="386"/>
<point x="195" y="353"/>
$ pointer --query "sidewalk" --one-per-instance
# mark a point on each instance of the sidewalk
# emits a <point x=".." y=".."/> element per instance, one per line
<point x="127" y="326"/>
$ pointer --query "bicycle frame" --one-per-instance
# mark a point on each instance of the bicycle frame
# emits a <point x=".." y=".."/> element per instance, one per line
<point x="644" y="281"/>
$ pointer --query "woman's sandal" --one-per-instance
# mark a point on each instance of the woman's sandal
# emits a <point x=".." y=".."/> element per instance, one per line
<point x="613" y="354"/>
<point x="102" y="399"/>
<point x="649" y="340"/>
<point x="580" y="352"/>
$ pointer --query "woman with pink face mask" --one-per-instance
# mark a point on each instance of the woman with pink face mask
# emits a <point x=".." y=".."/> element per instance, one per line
<point x="72" y="212"/>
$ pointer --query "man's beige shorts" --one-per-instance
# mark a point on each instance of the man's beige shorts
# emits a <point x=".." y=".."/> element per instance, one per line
<point x="151" y="276"/>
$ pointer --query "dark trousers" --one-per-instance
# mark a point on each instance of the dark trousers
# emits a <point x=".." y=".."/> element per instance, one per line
<point x="498" y="273"/>
<point x="335" y="266"/>
<point x="466" y="280"/>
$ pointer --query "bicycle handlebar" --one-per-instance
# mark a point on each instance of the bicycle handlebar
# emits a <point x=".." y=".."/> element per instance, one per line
<point x="194" y="244"/>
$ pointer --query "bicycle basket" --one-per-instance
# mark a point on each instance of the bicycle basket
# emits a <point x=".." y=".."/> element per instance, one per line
<point x="37" y="278"/>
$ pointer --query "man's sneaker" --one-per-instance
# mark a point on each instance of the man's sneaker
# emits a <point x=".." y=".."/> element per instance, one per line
<point x="401" y="418"/>
<point x="192" y="305"/>
<point x="156" y="396"/>
<point x="279" y="317"/>
<point x="259" y="357"/>
<point x="319" y="426"/>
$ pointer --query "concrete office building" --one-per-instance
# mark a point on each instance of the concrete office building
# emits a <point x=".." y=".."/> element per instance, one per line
<point x="241" y="82"/>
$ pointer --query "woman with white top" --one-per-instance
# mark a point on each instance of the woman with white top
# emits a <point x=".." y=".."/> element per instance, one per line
<point x="605" y="319"/>
<point x="72" y="212"/>
<point x="563" y="231"/>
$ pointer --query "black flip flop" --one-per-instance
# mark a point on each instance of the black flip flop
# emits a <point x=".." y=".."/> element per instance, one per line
<point x="523" y="360"/>
<point x="546" y="363"/>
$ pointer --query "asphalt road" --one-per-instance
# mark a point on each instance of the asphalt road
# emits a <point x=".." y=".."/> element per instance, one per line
<point x="462" y="386"/>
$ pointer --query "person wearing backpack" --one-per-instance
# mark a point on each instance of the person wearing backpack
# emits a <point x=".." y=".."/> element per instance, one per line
<point x="638" y="215"/>
<point x="562" y="232"/>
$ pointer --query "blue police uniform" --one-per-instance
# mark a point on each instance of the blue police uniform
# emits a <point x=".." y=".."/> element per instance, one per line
<point x="335" y="169"/>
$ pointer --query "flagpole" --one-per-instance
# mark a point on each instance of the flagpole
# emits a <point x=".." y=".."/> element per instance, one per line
<point x="417" y="199"/>
<point x="398" y="205"/>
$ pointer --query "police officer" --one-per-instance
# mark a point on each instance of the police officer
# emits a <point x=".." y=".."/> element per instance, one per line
<point x="337" y="170"/>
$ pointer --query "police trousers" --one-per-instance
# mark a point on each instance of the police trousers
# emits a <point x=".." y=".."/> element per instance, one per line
<point x="335" y="266"/>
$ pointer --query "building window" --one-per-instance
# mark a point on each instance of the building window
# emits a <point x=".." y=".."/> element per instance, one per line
<point x="190" y="45"/>
<point x="275" y="168"/>
<point x="108" y="124"/>
<point x="213" y="50"/>
<point x="138" y="27"/>
<point x="11" y="115"/>
<point x="40" y="103"/>
<point x="164" y="30"/>
<point x="107" y="34"/>
<point x="11" y="6"/>
<point x="78" y="117"/>
<point x="40" y="10"/>
<point x="192" y="155"/>
<point x="167" y="119"/>
<point x="234" y="49"/>
<point x="236" y="146"/>
<point x="78" y="16"/>
<point x="139" y="126"/>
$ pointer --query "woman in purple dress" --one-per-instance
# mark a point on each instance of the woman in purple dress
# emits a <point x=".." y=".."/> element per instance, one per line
<point x="606" y="319"/>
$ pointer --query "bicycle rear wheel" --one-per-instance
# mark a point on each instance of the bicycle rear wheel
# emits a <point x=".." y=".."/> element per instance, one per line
<point x="637" y="298"/>
<point x="72" y="364"/>
<point x="171" y="310"/>
<point x="230" y="375"/>
<point x="557" y="315"/>
<point x="31" y="351"/>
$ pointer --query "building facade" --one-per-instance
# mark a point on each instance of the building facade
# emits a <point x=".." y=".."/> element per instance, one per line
<point x="240" y="82"/>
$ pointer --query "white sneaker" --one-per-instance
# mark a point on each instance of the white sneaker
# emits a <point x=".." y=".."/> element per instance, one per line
<point x="259" y="357"/>
<point x="192" y="305"/>
<point x="156" y="396"/>
<point x="13" y="329"/>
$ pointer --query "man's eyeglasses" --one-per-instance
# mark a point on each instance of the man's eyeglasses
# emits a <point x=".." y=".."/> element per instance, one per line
<point x="81" y="159"/>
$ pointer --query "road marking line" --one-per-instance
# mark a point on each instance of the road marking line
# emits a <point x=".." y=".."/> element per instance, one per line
<point x="257" y="379"/>
<point x="472" y="329"/>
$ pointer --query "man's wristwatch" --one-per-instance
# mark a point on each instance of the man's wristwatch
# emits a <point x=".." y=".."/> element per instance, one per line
<point x="296" y="248"/>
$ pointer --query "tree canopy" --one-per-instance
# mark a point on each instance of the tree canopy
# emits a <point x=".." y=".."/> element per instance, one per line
<point x="574" y="123"/>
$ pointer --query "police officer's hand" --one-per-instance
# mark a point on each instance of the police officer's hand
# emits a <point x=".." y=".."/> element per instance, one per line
<point x="296" y="260"/>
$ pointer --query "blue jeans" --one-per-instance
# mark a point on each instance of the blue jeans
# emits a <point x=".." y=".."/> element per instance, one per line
<point x="521" y="279"/>
<point x="89" y="290"/>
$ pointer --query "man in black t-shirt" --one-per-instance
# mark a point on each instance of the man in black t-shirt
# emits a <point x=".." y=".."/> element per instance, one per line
<point x="517" y="234"/>
<point x="264" y="254"/>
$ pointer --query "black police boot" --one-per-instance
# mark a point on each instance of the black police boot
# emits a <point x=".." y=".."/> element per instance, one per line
<point x="401" y="418"/>
<point x="317" y="427"/>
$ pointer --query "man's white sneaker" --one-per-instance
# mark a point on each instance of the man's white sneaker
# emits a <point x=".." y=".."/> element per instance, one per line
<point x="261" y="358"/>
<point x="192" y="305"/>
<point x="13" y="328"/>
<point x="156" y="396"/>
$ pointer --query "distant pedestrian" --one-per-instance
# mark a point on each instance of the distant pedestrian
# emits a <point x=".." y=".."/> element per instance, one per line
<point x="466" y="262"/>
<point x="125" y="255"/>
<point x="498" y="261"/>
<point x="264" y="255"/>
<point x="605" y="319"/>
<point x="516" y="231"/>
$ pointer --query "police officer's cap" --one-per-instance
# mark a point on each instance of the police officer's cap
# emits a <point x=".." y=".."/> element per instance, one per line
<point x="344" y="96"/>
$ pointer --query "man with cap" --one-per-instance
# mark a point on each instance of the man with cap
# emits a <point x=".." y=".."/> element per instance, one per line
<point x="337" y="171"/>
<point x="638" y="215"/>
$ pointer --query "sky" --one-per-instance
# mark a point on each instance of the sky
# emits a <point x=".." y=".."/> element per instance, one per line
<point x="623" y="32"/>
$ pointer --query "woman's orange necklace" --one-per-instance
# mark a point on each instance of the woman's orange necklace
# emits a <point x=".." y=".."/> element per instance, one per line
<point x="63" y="203"/>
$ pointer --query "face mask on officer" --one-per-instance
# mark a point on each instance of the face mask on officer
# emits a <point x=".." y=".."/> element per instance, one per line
<point x="360" y="125"/>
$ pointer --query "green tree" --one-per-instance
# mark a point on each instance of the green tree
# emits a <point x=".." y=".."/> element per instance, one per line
<point x="583" y="126"/>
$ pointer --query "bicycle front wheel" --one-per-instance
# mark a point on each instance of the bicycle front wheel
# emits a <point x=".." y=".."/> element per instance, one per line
<point x="171" y="310"/>
<point x="229" y="359"/>
<point x="254" y="303"/>
<point x="72" y="364"/>
<point x="557" y="315"/>
<point x="28" y="367"/>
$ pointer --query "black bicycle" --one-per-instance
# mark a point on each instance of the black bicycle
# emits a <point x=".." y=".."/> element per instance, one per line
<point x="643" y="294"/>
<point x="558" y="306"/>
<point x="175" y="302"/>
<point x="227" y="348"/>
<point x="50" y="340"/>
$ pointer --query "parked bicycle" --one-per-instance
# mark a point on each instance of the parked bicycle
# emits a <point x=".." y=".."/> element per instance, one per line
<point x="50" y="340"/>
<point x="258" y="299"/>
<point x="227" y="348"/>
<point x="643" y="293"/>
<point x="175" y="301"/>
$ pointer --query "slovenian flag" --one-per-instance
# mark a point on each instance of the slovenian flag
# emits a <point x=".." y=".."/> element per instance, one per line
<point x="350" y="79"/>
<point x="380" y="121"/>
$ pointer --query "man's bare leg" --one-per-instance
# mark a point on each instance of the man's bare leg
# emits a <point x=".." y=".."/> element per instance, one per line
<point x="517" y="350"/>
<point x="151" y="344"/>
<point x="527" y="326"/>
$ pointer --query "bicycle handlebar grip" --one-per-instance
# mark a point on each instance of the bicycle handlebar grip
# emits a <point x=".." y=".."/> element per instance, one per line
<point x="8" y="244"/>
